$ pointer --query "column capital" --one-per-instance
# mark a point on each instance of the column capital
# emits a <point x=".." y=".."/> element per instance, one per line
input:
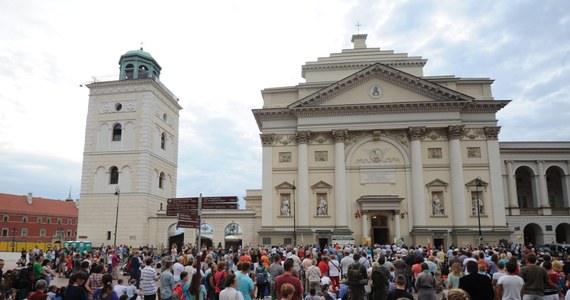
<point x="339" y="135"/>
<point x="540" y="162"/>
<point x="492" y="132"/>
<point x="455" y="131"/>
<point x="416" y="133"/>
<point x="267" y="139"/>
<point x="303" y="137"/>
<point x="508" y="162"/>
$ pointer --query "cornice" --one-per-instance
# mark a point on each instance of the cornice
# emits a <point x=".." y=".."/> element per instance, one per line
<point x="383" y="108"/>
<point x="271" y="114"/>
<point x="417" y="62"/>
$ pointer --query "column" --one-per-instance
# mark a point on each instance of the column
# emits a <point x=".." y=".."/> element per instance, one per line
<point x="365" y="231"/>
<point x="302" y="199"/>
<point x="341" y="203"/>
<point x="266" y="178"/>
<point x="397" y="233"/>
<point x="455" y="133"/>
<point x="542" y="189"/>
<point x="512" y="185"/>
<point x="418" y="202"/>
<point x="496" y="178"/>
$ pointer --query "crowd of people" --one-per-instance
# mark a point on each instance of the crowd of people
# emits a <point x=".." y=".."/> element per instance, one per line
<point x="309" y="272"/>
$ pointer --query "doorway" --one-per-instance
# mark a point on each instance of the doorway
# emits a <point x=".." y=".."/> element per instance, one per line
<point x="380" y="232"/>
<point x="177" y="239"/>
<point x="439" y="243"/>
<point x="323" y="242"/>
<point x="380" y="236"/>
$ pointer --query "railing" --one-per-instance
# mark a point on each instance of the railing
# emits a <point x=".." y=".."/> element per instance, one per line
<point x="529" y="211"/>
<point x="560" y="211"/>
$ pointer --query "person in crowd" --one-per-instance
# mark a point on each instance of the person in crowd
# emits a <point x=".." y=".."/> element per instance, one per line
<point x="95" y="280"/>
<point x="49" y="272"/>
<point x="535" y="279"/>
<point x="167" y="281"/>
<point x="135" y="271"/>
<point x="478" y="286"/>
<point x="510" y="286"/>
<point x="76" y="290"/>
<point x="120" y="288"/>
<point x="425" y="283"/>
<point x="245" y="283"/>
<point x="106" y="292"/>
<point x="132" y="290"/>
<point x="458" y="294"/>
<point x="288" y="278"/>
<point x="400" y="291"/>
<point x="275" y="269"/>
<point x="196" y="291"/>
<point x="148" y="280"/>
<point x="40" y="292"/>
<point x="287" y="291"/>
<point x="230" y="292"/>
<point x="357" y="278"/>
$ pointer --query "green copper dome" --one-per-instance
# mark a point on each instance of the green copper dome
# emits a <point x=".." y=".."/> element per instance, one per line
<point x="138" y="64"/>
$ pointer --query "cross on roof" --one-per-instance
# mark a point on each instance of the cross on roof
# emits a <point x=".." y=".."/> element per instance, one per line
<point x="358" y="27"/>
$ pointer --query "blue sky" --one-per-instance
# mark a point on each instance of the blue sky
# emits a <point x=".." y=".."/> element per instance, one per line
<point x="218" y="55"/>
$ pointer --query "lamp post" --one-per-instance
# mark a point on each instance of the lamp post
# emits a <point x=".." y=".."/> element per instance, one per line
<point x="118" y="194"/>
<point x="294" y="216"/>
<point x="477" y="185"/>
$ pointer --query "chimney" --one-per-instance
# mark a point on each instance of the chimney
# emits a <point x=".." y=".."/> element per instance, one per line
<point x="29" y="198"/>
<point x="359" y="41"/>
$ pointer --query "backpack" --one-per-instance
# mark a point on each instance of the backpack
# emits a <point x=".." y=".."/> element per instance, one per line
<point x="222" y="283"/>
<point x="179" y="291"/>
<point x="379" y="278"/>
<point x="354" y="274"/>
<point x="261" y="275"/>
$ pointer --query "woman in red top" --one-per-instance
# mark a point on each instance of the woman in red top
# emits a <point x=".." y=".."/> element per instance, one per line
<point x="221" y="273"/>
<point x="324" y="266"/>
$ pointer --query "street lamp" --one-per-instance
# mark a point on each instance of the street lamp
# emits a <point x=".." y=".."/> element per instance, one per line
<point x="118" y="194"/>
<point x="477" y="185"/>
<point x="294" y="216"/>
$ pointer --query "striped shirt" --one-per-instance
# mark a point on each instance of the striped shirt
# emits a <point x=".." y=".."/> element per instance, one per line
<point x="149" y="277"/>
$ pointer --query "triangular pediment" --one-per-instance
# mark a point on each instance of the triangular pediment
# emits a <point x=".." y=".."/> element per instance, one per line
<point x="437" y="183"/>
<point x="380" y="84"/>
<point x="284" y="186"/>
<point x="477" y="182"/>
<point x="321" y="185"/>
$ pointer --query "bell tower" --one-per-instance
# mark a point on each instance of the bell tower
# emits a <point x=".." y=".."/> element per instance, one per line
<point x="130" y="158"/>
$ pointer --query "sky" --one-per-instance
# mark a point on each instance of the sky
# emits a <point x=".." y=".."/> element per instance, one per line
<point x="217" y="56"/>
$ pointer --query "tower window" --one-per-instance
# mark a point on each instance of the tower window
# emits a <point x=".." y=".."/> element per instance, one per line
<point x="143" y="72"/>
<point x="114" y="178"/>
<point x="163" y="141"/>
<point x="129" y="71"/>
<point x="117" y="132"/>
<point x="161" y="180"/>
<point x="118" y="106"/>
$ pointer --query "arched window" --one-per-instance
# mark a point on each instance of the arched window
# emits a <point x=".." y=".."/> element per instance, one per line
<point x="143" y="72"/>
<point x="117" y="132"/>
<point x="161" y="180"/>
<point x="129" y="71"/>
<point x="114" y="178"/>
<point x="163" y="141"/>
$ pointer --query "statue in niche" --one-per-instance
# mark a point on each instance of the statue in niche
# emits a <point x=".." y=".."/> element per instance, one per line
<point x="285" y="207"/>
<point x="322" y="207"/>
<point x="437" y="206"/>
<point x="476" y="203"/>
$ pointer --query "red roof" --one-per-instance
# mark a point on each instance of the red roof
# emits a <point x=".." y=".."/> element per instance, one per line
<point x="40" y="206"/>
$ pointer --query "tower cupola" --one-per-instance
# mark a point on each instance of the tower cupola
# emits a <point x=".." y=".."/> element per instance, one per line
<point x="138" y="64"/>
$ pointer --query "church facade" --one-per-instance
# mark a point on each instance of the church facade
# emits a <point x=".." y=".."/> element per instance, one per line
<point x="367" y="150"/>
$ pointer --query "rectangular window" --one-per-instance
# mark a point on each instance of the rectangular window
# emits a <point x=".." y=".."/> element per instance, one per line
<point x="287" y="241"/>
<point x="24" y="219"/>
<point x="69" y="233"/>
<point x="24" y="232"/>
<point x="4" y="231"/>
<point x="108" y="235"/>
<point x="42" y="232"/>
<point x="69" y="221"/>
<point x="267" y="241"/>
<point x="58" y="220"/>
<point x="5" y="218"/>
<point x="40" y="220"/>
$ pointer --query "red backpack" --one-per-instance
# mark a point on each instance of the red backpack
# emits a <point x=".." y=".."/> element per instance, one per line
<point x="179" y="291"/>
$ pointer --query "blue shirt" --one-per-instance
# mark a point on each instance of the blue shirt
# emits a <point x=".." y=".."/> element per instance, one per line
<point x="245" y="285"/>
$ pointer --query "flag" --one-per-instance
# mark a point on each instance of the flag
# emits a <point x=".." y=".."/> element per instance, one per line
<point x="358" y="213"/>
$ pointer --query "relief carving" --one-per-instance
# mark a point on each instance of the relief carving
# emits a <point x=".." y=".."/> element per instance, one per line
<point x="284" y="157"/>
<point x="267" y="139"/>
<point x="284" y="139"/>
<point x="474" y="152"/>
<point x="434" y="153"/>
<point x="455" y="131"/>
<point x="492" y="132"/>
<point x="303" y="137"/>
<point x="474" y="133"/>
<point x="322" y="137"/>
<point x="436" y="134"/>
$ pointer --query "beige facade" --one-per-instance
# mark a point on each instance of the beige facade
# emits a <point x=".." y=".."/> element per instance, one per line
<point x="394" y="154"/>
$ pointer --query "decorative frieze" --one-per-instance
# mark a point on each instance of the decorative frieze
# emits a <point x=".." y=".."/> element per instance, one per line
<point x="285" y="139"/>
<point x="436" y="134"/>
<point x="321" y="138"/>
<point x="416" y="133"/>
<point x="474" y="152"/>
<point x="492" y="132"/>
<point x="475" y="133"/>
<point x="339" y="135"/>
<point x="455" y="131"/>
<point x="118" y="107"/>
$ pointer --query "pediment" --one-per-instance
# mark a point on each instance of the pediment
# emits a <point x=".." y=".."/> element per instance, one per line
<point x="321" y="185"/>
<point x="437" y="183"/>
<point x="284" y="186"/>
<point x="394" y="86"/>
<point x="473" y="183"/>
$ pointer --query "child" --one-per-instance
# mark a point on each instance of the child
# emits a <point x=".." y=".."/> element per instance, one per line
<point x="132" y="291"/>
<point x="52" y="292"/>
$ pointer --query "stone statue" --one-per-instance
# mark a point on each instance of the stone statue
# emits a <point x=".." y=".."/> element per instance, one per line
<point x="437" y="207"/>
<point x="476" y="202"/>
<point x="322" y="207"/>
<point x="285" y="207"/>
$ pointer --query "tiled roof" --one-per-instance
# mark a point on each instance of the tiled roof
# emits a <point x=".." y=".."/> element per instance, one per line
<point x="40" y="206"/>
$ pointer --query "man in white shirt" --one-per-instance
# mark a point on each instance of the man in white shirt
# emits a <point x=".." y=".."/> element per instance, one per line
<point x="345" y="262"/>
<point x="178" y="268"/>
<point x="510" y="286"/>
<point x="334" y="272"/>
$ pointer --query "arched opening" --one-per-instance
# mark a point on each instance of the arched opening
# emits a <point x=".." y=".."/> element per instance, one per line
<point x="563" y="233"/>
<point x="129" y="71"/>
<point x="117" y="132"/>
<point x="177" y="238"/>
<point x="554" y="187"/>
<point x="533" y="235"/>
<point x="143" y="72"/>
<point x="163" y="141"/>
<point x="114" y="175"/>
<point x="523" y="177"/>
<point x="161" y="180"/>
<point x="233" y="236"/>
